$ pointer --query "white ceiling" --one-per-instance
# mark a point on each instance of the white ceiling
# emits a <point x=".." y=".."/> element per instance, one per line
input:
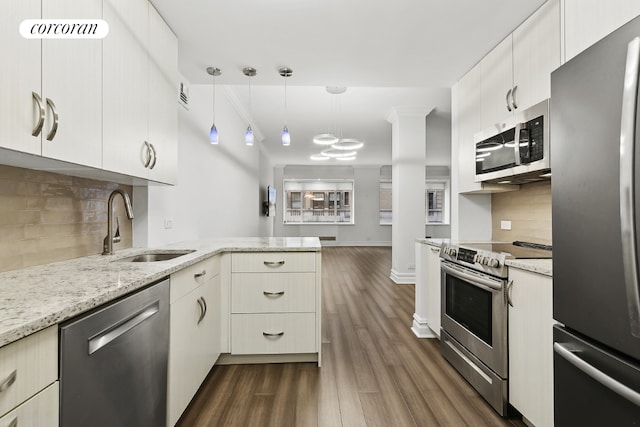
<point x="387" y="53"/>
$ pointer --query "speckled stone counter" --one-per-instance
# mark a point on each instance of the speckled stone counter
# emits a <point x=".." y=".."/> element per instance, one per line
<point x="37" y="297"/>
<point x="431" y="241"/>
<point x="540" y="266"/>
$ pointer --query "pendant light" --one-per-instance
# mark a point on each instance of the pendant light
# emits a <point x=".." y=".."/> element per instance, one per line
<point x="330" y="138"/>
<point x="248" y="135"/>
<point x="286" y="137"/>
<point x="213" y="133"/>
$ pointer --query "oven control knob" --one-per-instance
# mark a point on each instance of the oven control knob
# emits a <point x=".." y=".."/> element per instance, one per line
<point x="451" y="252"/>
<point x="494" y="263"/>
<point x="480" y="259"/>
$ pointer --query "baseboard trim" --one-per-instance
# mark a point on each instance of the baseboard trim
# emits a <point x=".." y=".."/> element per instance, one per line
<point x="402" y="278"/>
<point x="421" y="329"/>
<point x="368" y="243"/>
<point x="244" y="359"/>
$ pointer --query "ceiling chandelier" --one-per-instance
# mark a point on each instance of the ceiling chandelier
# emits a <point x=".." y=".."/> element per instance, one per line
<point x="337" y="146"/>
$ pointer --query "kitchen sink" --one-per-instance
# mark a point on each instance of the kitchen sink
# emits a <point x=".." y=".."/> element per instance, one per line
<point x="156" y="256"/>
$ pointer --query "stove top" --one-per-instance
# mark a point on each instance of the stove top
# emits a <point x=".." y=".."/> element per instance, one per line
<point x="489" y="257"/>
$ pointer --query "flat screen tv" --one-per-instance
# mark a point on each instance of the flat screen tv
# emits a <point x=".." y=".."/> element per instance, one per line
<point x="269" y="206"/>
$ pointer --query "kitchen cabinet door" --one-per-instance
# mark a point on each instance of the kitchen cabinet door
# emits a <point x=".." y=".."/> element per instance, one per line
<point x="587" y="21"/>
<point x="496" y="83"/>
<point x="40" y="410"/>
<point x="469" y="122"/>
<point x="194" y="343"/>
<point x="19" y="77"/>
<point x="163" y="113"/>
<point x="433" y="289"/>
<point x="536" y="53"/>
<point x="125" y="88"/>
<point x="531" y="346"/>
<point x="72" y="80"/>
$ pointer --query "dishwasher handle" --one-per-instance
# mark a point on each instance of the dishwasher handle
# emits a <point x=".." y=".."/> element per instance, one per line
<point x="105" y="337"/>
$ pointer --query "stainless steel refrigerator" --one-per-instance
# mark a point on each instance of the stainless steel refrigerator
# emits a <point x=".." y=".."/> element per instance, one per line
<point x="595" y="160"/>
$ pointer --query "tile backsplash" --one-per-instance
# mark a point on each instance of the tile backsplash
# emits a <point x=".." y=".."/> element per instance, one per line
<point x="47" y="217"/>
<point x="529" y="211"/>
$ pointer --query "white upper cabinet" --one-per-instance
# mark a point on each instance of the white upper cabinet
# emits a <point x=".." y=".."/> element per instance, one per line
<point x="587" y="21"/>
<point x="51" y="88"/>
<point x="125" y="89"/>
<point x="516" y="74"/>
<point x="469" y="122"/>
<point x="72" y="88"/>
<point x="19" y="77"/>
<point x="140" y="74"/>
<point x="162" y="82"/>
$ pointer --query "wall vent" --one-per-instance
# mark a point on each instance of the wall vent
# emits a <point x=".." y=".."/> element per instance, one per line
<point x="333" y="238"/>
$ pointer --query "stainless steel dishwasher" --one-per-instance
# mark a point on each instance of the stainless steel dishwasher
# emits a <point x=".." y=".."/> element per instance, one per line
<point x="113" y="363"/>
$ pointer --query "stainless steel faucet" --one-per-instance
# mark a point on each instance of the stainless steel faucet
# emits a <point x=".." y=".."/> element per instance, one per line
<point x="107" y="246"/>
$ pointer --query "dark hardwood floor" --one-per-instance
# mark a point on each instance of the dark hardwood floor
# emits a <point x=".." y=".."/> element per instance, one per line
<point x="374" y="372"/>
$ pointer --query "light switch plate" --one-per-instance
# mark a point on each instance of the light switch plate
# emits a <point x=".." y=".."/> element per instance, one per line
<point x="168" y="223"/>
<point x="505" y="225"/>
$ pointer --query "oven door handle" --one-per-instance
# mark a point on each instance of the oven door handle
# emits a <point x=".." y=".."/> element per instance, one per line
<point x="481" y="282"/>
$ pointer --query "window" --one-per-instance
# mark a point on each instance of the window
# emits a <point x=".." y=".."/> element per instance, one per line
<point x="318" y="202"/>
<point x="437" y="201"/>
<point x="385" y="203"/>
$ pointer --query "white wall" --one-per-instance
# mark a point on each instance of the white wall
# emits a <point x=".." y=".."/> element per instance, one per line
<point x="218" y="190"/>
<point x="366" y="230"/>
<point x="438" y="157"/>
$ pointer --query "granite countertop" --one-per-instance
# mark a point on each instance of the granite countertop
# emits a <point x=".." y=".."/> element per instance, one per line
<point x="433" y="241"/>
<point x="540" y="266"/>
<point x="37" y="297"/>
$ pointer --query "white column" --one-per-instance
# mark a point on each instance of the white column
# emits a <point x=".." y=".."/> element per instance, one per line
<point x="408" y="146"/>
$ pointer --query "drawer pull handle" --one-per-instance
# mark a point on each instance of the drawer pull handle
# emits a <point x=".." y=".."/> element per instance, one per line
<point x="13" y="423"/>
<point x="202" y="303"/>
<point x="199" y="275"/>
<point x="9" y="380"/>
<point x="274" y="263"/>
<point x="273" y="294"/>
<point x="273" y="334"/>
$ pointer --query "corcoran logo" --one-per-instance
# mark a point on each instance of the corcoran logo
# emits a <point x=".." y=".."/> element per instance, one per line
<point x="64" y="28"/>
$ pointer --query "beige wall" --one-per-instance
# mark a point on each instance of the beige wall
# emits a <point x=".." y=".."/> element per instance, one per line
<point x="47" y="217"/>
<point x="529" y="211"/>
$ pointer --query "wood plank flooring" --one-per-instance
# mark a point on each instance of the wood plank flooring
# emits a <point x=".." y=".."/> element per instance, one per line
<point x="374" y="372"/>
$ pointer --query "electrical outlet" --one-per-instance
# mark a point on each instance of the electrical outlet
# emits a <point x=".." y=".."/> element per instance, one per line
<point x="505" y="225"/>
<point x="168" y="223"/>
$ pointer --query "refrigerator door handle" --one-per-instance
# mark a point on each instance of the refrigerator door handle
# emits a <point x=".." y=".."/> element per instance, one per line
<point x="596" y="374"/>
<point x="627" y="190"/>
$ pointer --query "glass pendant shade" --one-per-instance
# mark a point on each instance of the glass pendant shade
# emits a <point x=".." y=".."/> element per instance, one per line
<point x="286" y="138"/>
<point x="213" y="135"/>
<point x="248" y="136"/>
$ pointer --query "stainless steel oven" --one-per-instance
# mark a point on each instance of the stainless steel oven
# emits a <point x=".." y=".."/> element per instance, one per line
<point x="475" y="314"/>
<point x="474" y="330"/>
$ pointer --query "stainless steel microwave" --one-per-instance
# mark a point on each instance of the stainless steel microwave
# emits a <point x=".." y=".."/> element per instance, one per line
<point x="515" y="151"/>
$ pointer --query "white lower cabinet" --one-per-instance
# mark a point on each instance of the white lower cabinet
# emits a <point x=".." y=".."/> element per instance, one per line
<point x="194" y="332"/>
<point x="433" y="276"/>
<point x="42" y="410"/>
<point x="531" y="346"/>
<point x="275" y="303"/>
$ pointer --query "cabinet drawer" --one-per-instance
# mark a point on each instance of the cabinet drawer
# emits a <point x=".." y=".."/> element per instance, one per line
<point x="272" y="262"/>
<point x="187" y="279"/>
<point x="273" y="333"/>
<point x="27" y="366"/>
<point x="39" y="411"/>
<point x="272" y="293"/>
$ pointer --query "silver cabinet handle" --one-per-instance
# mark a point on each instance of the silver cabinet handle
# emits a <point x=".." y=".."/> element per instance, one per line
<point x="14" y="422"/>
<point x="9" y="380"/>
<point x="627" y="183"/>
<point x="507" y="100"/>
<point x="513" y="97"/>
<point x="148" y="161"/>
<point x="604" y="379"/>
<point x="273" y="334"/>
<point x="38" y="127"/>
<point x="54" y="127"/>
<point x="155" y="156"/>
<point x="202" y="303"/>
<point x="509" y="290"/>
<point x="98" y="341"/>
<point x="273" y="294"/>
<point x="199" y="275"/>
<point x="273" y="263"/>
